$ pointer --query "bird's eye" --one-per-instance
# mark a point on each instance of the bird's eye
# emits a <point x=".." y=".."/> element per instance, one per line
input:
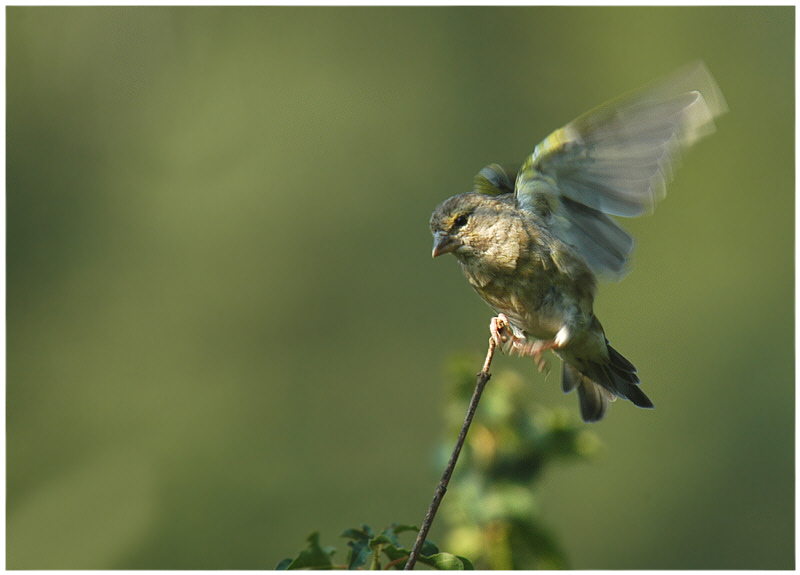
<point x="460" y="221"/>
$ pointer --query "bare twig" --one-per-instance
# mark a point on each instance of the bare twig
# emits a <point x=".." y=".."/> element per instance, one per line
<point x="483" y="378"/>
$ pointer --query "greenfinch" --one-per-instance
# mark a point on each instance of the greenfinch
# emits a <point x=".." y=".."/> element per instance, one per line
<point x="534" y="246"/>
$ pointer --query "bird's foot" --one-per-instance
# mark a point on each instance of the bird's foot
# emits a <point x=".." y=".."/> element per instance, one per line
<point x="537" y="347"/>
<point x="505" y="339"/>
<point x="503" y="335"/>
<point x="534" y="349"/>
<point x="501" y="330"/>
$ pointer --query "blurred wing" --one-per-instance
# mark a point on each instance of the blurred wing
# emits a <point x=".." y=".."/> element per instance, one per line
<point x="617" y="159"/>
<point x="494" y="180"/>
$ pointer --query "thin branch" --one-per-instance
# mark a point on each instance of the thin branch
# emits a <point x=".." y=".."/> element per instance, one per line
<point x="483" y="378"/>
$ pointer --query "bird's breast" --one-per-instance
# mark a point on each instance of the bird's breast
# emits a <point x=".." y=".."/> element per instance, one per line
<point x="526" y="297"/>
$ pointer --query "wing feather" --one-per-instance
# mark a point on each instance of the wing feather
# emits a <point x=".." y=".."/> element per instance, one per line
<point x="617" y="160"/>
<point x="494" y="180"/>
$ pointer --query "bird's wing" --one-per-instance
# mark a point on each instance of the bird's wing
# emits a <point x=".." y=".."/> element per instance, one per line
<point x="494" y="180"/>
<point x="617" y="160"/>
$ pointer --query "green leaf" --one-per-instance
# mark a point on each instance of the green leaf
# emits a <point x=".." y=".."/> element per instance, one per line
<point x="354" y="534"/>
<point x="358" y="534"/>
<point x="401" y="528"/>
<point x="396" y="529"/>
<point x="381" y="540"/>
<point x="358" y="553"/>
<point x="394" y="552"/>
<point x="446" y="561"/>
<point x="429" y="548"/>
<point x="313" y="556"/>
<point x="359" y="546"/>
<point x="283" y="565"/>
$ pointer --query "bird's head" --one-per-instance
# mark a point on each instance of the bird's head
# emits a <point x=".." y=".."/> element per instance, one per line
<point x="462" y="225"/>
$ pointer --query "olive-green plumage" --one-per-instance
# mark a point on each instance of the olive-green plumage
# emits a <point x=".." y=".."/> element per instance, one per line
<point x="533" y="248"/>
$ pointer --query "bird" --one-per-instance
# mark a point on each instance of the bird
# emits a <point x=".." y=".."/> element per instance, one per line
<point x="534" y="242"/>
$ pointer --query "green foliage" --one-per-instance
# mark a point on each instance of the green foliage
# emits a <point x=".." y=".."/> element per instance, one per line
<point x="368" y="549"/>
<point x="312" y="557"/>
<point x="491" y="507"/>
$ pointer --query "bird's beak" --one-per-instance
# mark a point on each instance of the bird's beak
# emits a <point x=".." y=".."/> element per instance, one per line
<point x="444" y="243"/>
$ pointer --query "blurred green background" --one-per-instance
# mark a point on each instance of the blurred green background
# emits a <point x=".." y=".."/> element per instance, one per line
<point x="224" y="327"/>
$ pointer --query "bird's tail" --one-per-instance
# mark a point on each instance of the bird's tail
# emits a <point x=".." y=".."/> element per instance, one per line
<point x="599" y="383"/>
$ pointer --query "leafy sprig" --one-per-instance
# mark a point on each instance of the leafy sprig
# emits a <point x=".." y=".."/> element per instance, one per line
<point x="371" y="551"/>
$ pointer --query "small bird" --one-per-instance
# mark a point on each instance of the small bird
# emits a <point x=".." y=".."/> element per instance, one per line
<point x="534" y="247"/>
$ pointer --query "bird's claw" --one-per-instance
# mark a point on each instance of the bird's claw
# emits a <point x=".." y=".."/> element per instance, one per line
<point x="503" y="336"/>
<point x="500" y="330"/>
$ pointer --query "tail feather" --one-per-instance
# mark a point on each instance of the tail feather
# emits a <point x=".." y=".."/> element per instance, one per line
<point x="600" y="383"/>
<point x="593" y="399"/>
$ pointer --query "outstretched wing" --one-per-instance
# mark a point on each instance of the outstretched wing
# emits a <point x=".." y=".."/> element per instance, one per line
<point x="617" y="160"/>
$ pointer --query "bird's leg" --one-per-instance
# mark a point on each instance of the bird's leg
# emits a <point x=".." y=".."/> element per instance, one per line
<point x="503" y="335"/>
<point x="537" y="347"/>
<point x="500" y="330"/>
